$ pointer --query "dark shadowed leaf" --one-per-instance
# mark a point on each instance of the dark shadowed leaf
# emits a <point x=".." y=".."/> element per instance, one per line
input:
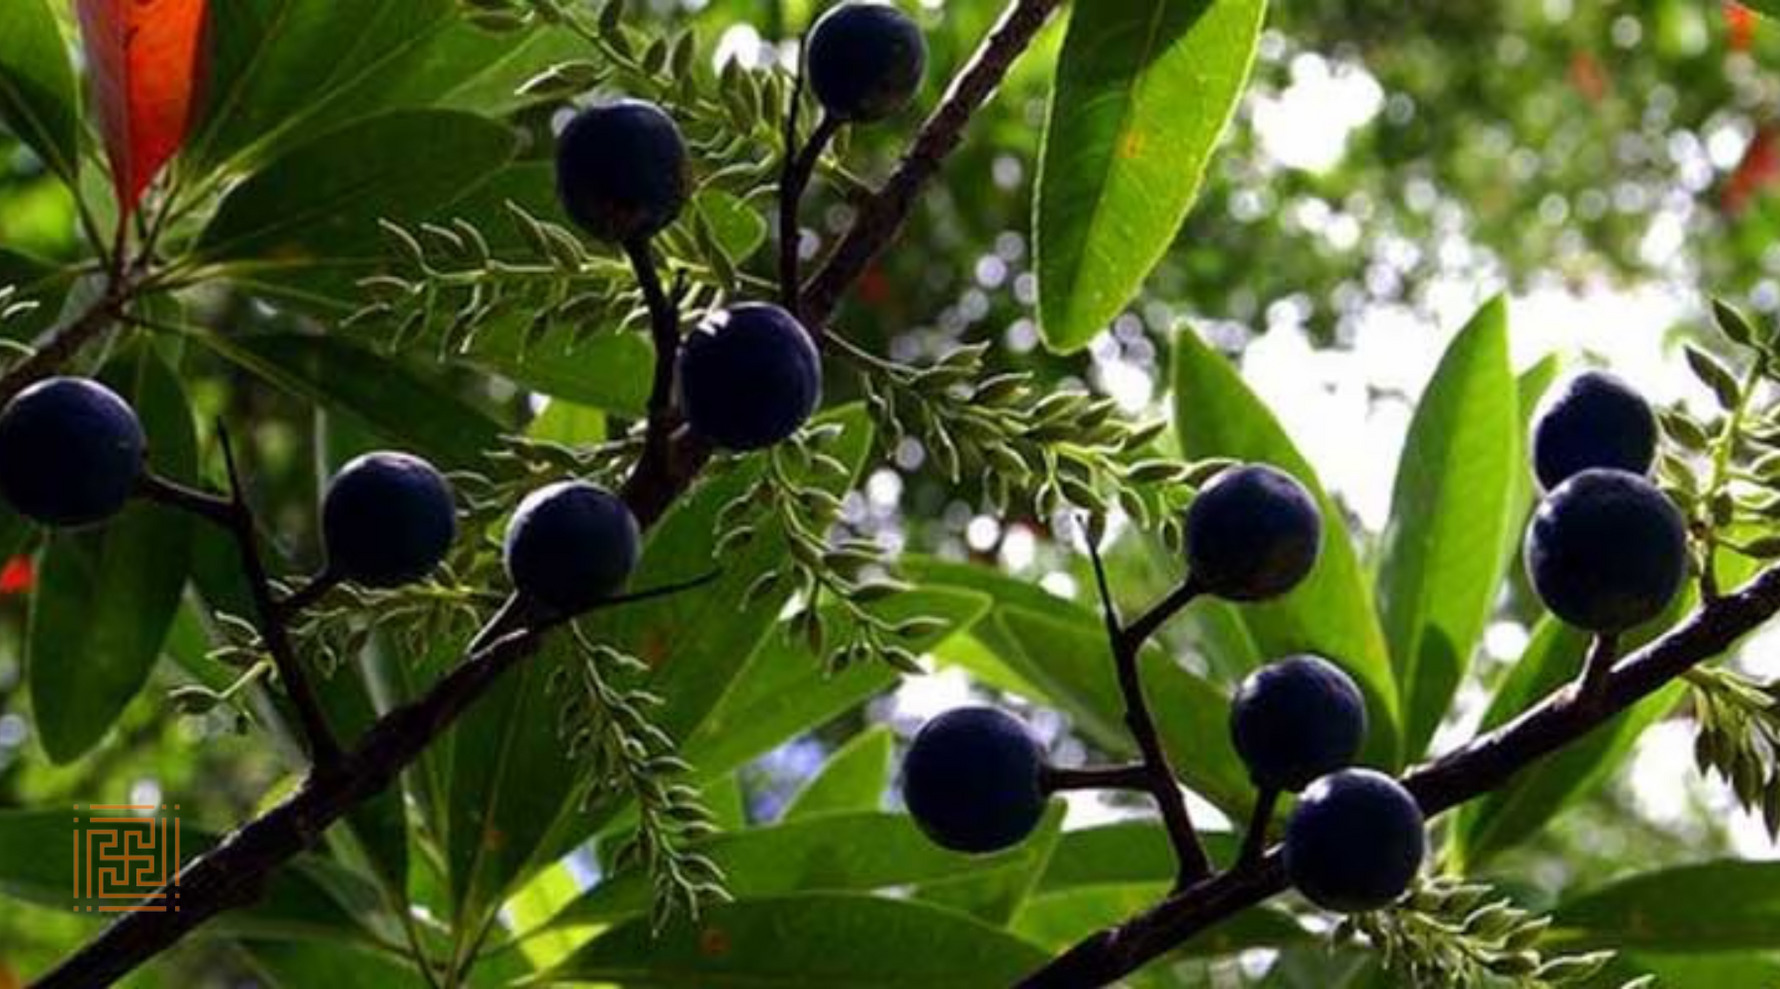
<point x="862" y="942"/>
<point x="38" y="101"/>
<point x="84" y="664"/>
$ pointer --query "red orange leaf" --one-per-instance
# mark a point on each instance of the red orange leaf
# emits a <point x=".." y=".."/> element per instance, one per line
<point x="17" y="577"/>
<point x="146" y="59"/>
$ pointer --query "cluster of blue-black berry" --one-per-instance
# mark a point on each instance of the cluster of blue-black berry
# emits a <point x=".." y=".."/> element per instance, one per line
<point x="73" y="452"/>
<point x="1606" y="551"/>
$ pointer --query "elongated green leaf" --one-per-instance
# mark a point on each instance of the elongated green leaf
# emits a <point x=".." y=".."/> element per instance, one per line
<point x="1715" y="906"/>
<point x="1123" y="854"/>
<point x="1144" y="91"/>
<point x="321" y="201"/>
<point x="1060" y="650"/>
<point x="86" y="663"/>
<point x="1331" y="613"/>
<point x="855" y="778"/>
<point x="285" y="71"/>
<point x="1446" y="549"/>
<point x="38" y="101"/>
<point x="1517" y="811"/>
<point x="1769" y="7"/>
<point x="391" y="399"/>
<point x="818" y="941"/>
<point x="842" y="852"/>
<point x="287" y="965"/>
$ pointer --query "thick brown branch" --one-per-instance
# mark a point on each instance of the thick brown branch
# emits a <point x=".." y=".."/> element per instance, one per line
<point x="1484" y="764"/>
<point x="881" y="217"/>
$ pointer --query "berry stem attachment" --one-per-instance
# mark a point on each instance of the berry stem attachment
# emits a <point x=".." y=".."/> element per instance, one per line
<point x="1599" y="663"/>
<point x="794" y="181"/>
<point x="1189" y="853"/>
<point x="311" y="591"/>
<point x="1151" y="621"/>
<point x="1254" y="840"/>
<point x="1057" y="779"/>
<point x="324" y="751"/>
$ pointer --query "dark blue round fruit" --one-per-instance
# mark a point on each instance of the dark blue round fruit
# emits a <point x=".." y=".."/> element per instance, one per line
<point x="571" y="545"/>
<point x="1355" y="841"/>
<point x="387" y="519"/>
<point x="1295" y="720"/>
<point x="71" y="452"/>
<point x="1253" y="533"/>
<point x="1594" y="420"/>
<point x="866" y="60"/>
<point x="1606" y="551"/>
<point x="749" y="376"/>
<point x="971" y="780"/>
<point x="621" y="170"/>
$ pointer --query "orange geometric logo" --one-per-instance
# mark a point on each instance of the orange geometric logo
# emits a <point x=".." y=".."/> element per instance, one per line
<point x="126" y="858"/>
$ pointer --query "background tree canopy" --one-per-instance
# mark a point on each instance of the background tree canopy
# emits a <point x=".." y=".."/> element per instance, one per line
<point x="1411" y="219"/>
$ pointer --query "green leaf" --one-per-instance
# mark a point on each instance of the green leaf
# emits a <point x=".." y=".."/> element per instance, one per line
<point x="1713" y="906"/>
<point x="290" y="965"/>
<point x="38" y="99"/>
<point x="1123" y="854"/>
<point x="1059" y="650"/>
<point x="784" y="690"/>
<point x="1144" y="91"/>
<point x="318" y="204"/>
<point x="1060" y="920"/>
<point x="836" y="853"/>
<point x="286" y="71"/>
<point x="1446" y="548"/>
<point x="861" y="942"/>
<point x="738" y="227"/>
<point x="1520" y="809"/>
<point x="855" y="778"/>
<point x="392" y="399"/>
<point x="1331" y="613"/>
<point x="86" y="663"/>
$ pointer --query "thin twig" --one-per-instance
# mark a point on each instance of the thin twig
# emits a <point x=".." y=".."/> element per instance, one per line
<point x="1254" y="840"/>
<point x="794" y="180"/>
<point x="881" y="216"/>
<point x="1163" y="786"/>
<point x="1056" y="779"/>
<point x="1599" y="663"/>
<point x="311" y="591"/>
<point x="324" y="751"/>
<point x="1151" y="621"/>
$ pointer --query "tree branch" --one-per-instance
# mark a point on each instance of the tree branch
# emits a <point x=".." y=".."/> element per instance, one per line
<point x="60" y="346"/>
<point x="1163" y="786"/>
<point x="881" y="217"/>
<point x="1482" y="765"/>
<point x="235" y="872"/>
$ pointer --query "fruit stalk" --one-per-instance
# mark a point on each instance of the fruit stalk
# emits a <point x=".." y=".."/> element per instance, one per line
<point x="1480" y="766"/>
<point x="1164" y="787"/>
